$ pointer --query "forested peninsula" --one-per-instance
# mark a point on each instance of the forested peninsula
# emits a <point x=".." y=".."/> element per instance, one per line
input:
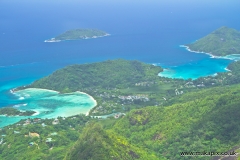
<point x="221" y="42"/>
<point x="9" y="111"/>
<point x="121" y="85"/>
<point x="76" y="34"/>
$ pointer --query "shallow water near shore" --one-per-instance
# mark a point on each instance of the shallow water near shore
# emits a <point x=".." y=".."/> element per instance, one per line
<point x="195" y="69"/>
<point x="208" y="66"/>
<point x="49" y="104"/>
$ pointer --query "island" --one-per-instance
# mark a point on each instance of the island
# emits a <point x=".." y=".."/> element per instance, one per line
<point x="9" y="111"/>
<point x="76" y="34"/>
<point x="221" y="42"/>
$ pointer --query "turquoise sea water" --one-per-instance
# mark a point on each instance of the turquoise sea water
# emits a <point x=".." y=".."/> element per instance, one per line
<point x="149" y="31"/>
<point x="195" y="69"/>
<point x="49" y="104"/>
<point x="208" y="66"/>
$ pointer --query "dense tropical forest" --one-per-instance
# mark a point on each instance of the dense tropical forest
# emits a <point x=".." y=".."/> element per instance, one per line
<point x="163" y="118"/>
<point x="108" y="74"/>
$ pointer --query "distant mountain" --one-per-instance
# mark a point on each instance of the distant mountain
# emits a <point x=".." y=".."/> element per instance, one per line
<point x="221" y="42"/>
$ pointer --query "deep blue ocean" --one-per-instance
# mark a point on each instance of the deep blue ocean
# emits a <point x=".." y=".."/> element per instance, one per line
<point x="150" y="31"/>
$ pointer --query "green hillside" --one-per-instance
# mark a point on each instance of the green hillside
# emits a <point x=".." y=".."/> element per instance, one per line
<point x="207" y="120"/>
<point x="221" y="42"/>
<point x="38" y="139"/>
<point x="110" y="82"/>
<point x="95" y="143"/>
<point x="108" y="74"/>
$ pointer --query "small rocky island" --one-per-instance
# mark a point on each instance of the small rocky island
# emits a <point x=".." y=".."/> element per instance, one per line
<point x="221" y="42"/>
<point x="76" y="34"/>
<point x="9" y="111"/>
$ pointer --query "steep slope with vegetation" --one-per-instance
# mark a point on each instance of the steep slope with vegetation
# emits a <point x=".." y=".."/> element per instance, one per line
<point x="207" y="120"/>
<point x="38" y="139"/>
<point x="221" y="42"/>
<point x="95" y="143"/>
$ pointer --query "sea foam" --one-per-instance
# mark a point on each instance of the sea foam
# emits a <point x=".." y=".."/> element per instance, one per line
<point x="19" y="105"/>
<point x="21" y="98"/>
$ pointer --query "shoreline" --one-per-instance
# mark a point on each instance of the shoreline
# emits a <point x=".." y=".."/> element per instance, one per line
<point x="13" y="91"/>
<point x="167" y="72"/>
<point x="227" y="69"/>
<point x="95" y="102"/>
<point x="211" y="55"/>
<point x="36" y="113"/>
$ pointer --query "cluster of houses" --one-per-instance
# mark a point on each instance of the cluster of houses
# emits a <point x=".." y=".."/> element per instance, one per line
<point x="129" y="98"/>
<point x="207" y="81"/>
<point x="191" y="84"/>
<point x="144" y="84"/>
<point x="178" y="92"/>
<point x="143" y="98"/>
<point x="38" y="120"/>
<point x="28" y="121"/>
<point x="33" y="134"/>
<point x="106" y="95"/>
<point x="124" y="99"/>
<point x="48" y="140"/>
<point x="98" y="109"/>
<point x="1" y="142"/>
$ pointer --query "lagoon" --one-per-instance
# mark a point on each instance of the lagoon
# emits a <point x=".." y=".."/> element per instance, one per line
<point x="49" y="104"/>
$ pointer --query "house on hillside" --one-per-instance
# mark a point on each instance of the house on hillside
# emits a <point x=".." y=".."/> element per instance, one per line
<point x="48" y="140"/>
<point x="27" y="122"/>
<point x="33" y="134"/>
<point x="31" y="143"/>
<point x="56" y="121"/>
<point x="53" y="134"/>
<point x="43" y="124"/>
